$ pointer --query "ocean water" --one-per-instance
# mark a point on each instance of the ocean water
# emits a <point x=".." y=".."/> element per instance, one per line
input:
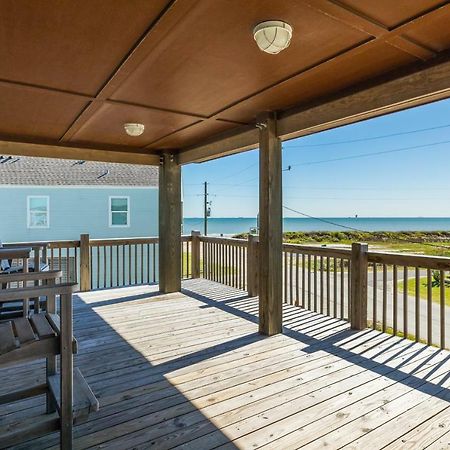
<point x="234" y="225"/>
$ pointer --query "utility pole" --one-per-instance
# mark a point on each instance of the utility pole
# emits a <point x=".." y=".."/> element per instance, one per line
<point x="205" y="212"/>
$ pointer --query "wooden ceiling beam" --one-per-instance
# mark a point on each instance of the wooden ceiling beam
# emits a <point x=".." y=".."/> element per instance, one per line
<point x="355" y="19"/>
<point x="402" y="90"/>
<point x="224" y="144"/>
<point x="392" y="35"/>
<point x="77" y="153"/>
<point x="168" y="17"/>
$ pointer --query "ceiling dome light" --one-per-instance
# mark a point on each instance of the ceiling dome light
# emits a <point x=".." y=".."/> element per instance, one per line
<point x="273" y="36"/>
<point x="134" y="129"/>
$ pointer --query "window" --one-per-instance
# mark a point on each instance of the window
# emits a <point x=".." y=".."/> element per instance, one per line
<point x="38" y="211"/>
<point x="119" y="211"/>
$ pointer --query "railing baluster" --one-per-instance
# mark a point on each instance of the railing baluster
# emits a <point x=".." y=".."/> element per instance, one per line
<point x="105" y="271"/>
<point x="321" y="285"/>
<point x="349" y="291"/>
<point x="335" y="288"/>
<point x="182" y="259"/>
<point x="303" y="279"/>
<point x="309" y="282"/>
<point x="405" y="301"/>
<point x="230" y="264"/>
<point x="222" y="263"/>
<point x="111" y="266"/>
<point x="117" y="264"/>
<point x="384" y="298"/>
<point x="154" y="262"/>
<point x="291" y="278"/>
<point x="417" y="299"/>
<point x="374" y="297"/>
<point x="236" y="249"/>
<point x="315" y="283"/>
<point x="188" y="259"/>
<point x="297" y="276"/>
<point x="92" y="263"/>
<point x="214" y="261"/>
<point x="342" y="289"/>
<point x="238" y="252"/>
<point x="142" y="263"/>
<point x="123" y="266"/>
<point x="59" y="263"/>
<point x="244" y="267"/>
<point x="328" y="285"/>
<point x="394" y="298"/>
<point x="135" y="264"/>
<point x="98" y="267"/>
<point x="207" y="258"/>
<point x="442" y="307"/>
<point x="148" y="263"/>
<point x="217" y="265"/>
<point x="429" y="307"/>
<point x="76" y="265"/>
<point x="285" y="277"/>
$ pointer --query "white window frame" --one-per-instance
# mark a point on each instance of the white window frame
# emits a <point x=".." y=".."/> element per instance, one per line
<point x="111" y="197"/>
<point x="29" y="198"/>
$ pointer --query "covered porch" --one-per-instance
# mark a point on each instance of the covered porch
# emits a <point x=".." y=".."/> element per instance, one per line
<point x="190" y="370"/>
<point x="194" y="363"/>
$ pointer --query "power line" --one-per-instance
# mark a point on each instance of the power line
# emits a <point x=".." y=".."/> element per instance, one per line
<point x="237" y="173"/>
<point x="359" y="230"/>
<point x="364" y="155"/>
<point x="326" y="144"/>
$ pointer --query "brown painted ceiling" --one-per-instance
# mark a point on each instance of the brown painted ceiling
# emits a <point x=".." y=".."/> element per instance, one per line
<point x="74" y="72"/>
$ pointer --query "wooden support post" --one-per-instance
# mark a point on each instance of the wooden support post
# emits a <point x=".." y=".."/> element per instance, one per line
<point x="252" y="265"/>
<point x="37" y="268"/>
<point x="51" y="361"/>
<point x="26" y="301"/>
<point x="358" y="296"/>
<point x="66" y="372"/>
<point x="270" y="235"/>
<point x="85" y="263"/>
<point x="169" y="224"/>
<point x="195" y="254"/>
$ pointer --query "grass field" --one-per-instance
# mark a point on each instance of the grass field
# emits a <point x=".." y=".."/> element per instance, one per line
<point x="433" y="243"/>
<point x="424" y="290"/>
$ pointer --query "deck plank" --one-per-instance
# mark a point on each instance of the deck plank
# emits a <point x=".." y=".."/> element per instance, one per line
<point x="190" y="370"/>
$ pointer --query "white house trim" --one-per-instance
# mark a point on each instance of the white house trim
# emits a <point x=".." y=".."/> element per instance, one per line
<point x="111" y="212"/>
<point x="29" y="225"/>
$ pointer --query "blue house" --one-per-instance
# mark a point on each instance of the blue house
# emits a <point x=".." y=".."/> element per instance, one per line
<point x="47" y="199"/>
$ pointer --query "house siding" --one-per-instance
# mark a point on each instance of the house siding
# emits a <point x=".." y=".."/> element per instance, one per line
<point x="77" y="210"/>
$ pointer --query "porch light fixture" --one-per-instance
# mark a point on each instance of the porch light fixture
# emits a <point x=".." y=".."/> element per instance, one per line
<point x="272" y="36"/>
<point x="134" y="129"/>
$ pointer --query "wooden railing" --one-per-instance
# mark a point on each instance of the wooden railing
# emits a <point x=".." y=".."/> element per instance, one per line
<point x="224" y="260"/>
<point x="317" y="279"/>
<point x="407" y="296"/>
<point x="64" y="256"/>
<point x="402" y="294"/>
<point x="131" y="261"/>
<point x="106" y="263"/>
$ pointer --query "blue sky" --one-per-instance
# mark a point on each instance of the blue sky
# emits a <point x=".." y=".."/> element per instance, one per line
<point x="407" y="183"/>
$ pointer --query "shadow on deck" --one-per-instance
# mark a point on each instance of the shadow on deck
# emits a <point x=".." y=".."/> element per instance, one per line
<point x="190" y="370"/>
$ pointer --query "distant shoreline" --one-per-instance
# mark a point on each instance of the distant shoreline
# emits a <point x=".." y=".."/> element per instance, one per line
<point x="236" y="225"/>
<point x="436" y="243"/>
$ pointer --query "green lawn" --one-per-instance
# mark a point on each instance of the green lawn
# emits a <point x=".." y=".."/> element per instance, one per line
<point x="424" y="290"/>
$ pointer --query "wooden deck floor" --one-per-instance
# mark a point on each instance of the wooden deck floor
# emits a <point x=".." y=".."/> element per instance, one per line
<point x="190" y="371"/>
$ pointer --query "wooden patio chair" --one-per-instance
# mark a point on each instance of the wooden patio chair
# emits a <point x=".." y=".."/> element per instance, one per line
<point x="23" y="264"/>
<point x="37" y="263"/>
<point x="44" y="335"/>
